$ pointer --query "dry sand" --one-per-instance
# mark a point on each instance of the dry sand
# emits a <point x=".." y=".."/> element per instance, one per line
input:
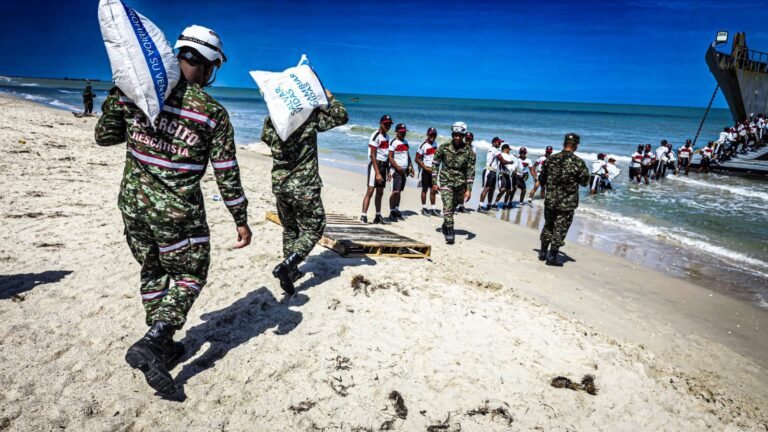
<point x="470" y="338"/>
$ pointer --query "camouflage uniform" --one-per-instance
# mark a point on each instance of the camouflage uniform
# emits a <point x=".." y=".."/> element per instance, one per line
<point x="561" y="176"/>
<point x="455" y="177"/>
<point x="296" y="179"/>
<point x="160" y="197"/>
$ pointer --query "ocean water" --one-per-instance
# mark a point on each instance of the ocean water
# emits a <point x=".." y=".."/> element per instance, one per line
<point x="711" y="228"/>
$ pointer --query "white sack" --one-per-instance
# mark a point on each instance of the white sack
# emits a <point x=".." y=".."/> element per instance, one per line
<point x="143" y="64"/>
<point x="291" y="96"/>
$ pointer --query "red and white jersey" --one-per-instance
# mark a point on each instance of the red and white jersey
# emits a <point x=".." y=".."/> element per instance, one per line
<point x="637" y="159"/>
<point x="707" y="151"/>
<point x="427" y="152"/>
<point x="399" y="151"/>
<point x="648" y="158"/>
<point x="380" y="141"/>
<point x="539" y="164"/>
<point x="684" y="152"/>
<point x="523" y="165"/>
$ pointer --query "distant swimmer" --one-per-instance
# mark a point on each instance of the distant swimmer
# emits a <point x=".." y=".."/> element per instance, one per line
<point x="707" y="153"/>
<point x="562" y="175"/>
<point x="599" y="173"/>
<point x="646" y="166"/>
<point x="400" y="162"/>
<point x="469" y="140"/>
<point x="453" y="173"/>
<point x="490" y="174"/>
<point x="636" y="164"/>
<point x="88" y="99"/>
<point x="378" y="168"/>
<point x="537" y="167"/>
<point x="424" y="157"/>
<point x="684" y="157"/>
<point x="507" y="166"/>
<point x="520" y="176"/>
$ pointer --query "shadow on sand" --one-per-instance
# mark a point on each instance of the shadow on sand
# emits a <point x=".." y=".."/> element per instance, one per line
<point x="12" y="285"/>
<point x="460" y="232"/>
<point x="329" y="265"/>
<point x="564" y="257"/>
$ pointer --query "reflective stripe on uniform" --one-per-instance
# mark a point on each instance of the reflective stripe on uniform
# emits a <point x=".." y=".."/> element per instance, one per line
<point x="189" y="284"/>
<point x="154" y="295"/>
<point x="165" y="163"/>
<point x="191" y="115"/>
<point x="235" y="201"/>
<point x="219" y="165"/>
<point x="183" y="243"/>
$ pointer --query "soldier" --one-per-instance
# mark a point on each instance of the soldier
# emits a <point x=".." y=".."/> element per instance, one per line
<point x="161" y="201"/>
<point x="562" y="175"/>
<point x="454" y="180"/>
<point x="88" y="98"/>
<point x="296" y="184"/>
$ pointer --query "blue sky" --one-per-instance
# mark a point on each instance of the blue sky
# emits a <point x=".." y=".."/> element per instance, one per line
<point x="613" y="51"/>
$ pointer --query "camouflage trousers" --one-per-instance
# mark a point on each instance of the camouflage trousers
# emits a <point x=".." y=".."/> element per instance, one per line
<point x="174" y="266"/>
<point x="303" y="218"/>
<point x="451" y="198"/>
<point x="556" y="225"/>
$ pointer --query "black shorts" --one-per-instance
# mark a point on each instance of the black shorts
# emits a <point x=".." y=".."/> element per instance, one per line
<point x="684" y="162"/>
<point x="398" y="182"/>
<point x="705" y="162"/>
<point x="505" y="183"/>
<point x="594" y="181"/>
<point x="645" y="169"/>
<point x="489" y="178"/>
<point x="426" y="180"/>
<point x="520" y="181"/>
<point x="383" y="168"/>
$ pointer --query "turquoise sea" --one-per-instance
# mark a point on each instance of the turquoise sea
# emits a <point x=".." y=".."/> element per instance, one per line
<point x="711" y="228"/>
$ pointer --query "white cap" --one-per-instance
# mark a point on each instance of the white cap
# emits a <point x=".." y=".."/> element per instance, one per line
<point x="203" y="40"/>
<point x="459" y="127"/>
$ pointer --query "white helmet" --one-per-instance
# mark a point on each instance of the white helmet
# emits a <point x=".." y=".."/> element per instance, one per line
<point x="459" y="127"/>
<point x="203" y="40"/>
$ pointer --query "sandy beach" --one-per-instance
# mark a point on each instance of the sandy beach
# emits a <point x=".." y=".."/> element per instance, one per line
<point x="470" y="339"/>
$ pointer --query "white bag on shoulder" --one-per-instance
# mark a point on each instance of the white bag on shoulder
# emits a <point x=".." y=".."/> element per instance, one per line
<point x="144" y="66"/>
<point x="291" y="96"/>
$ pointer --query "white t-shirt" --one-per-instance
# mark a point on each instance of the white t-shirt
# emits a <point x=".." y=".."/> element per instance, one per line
<point x="491" y="159"/>
<point x="427" y="152"/>
<point x="648" y="158"/>
<point x="661" y="153"/>
<point x="597" y="166"/>
<point x="509" y="163"/>
<point x="539" y="164"/>
<point x="684" y="152"/>
<point x="637" y="159"/>
<point x="523" y="165"/>
<point x="613" y="171"/>
<point x="399" y="151"/>
<point x="707" y="151"/>
<point x="380" y="141"/>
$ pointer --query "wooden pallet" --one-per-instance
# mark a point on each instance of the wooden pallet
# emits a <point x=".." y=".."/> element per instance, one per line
<point x="350" y="237"/>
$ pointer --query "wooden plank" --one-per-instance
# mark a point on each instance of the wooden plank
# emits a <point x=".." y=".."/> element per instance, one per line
<point x="350" y="237"/>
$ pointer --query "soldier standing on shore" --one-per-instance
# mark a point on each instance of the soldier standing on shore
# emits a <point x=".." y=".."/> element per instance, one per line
<point x="562" y="175"/>
<point x="296" y="185"/>
<point x="88" y="98"/>
<point x="161" y="201"/>
<point x="453" y="173"/>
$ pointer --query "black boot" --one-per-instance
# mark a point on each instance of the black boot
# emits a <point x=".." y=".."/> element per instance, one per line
<point x="286" y="271"/>
<point x="543" y="251"/>
<point x="151" y="355"/>
<point x="552" y="258"/>
<point x="450" y="235"/>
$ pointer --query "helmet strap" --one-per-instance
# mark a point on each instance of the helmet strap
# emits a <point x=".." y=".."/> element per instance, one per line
<point x="213" y="76"/>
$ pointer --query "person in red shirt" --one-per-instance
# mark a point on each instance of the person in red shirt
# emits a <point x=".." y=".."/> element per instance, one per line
<point x="424" y="157"/>
<point x="400" y="163"/>
<point x="378" y="168"/>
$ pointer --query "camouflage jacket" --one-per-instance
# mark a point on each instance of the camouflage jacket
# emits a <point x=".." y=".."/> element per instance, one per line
<point x="164" y="165"/>
<point x="562" y="175"/>
<point x="458" y="166"/>
<point x="294" y="161"/>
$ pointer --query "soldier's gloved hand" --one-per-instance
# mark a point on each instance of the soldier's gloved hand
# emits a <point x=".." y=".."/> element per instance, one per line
<point x="467" y="195"/>
<point x="243" y="237"/>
